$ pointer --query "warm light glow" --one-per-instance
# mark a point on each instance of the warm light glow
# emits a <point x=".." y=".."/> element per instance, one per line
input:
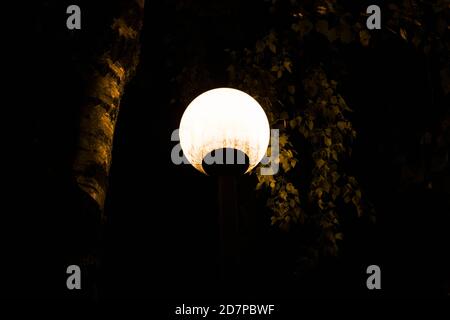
<point x="224" y="118"/>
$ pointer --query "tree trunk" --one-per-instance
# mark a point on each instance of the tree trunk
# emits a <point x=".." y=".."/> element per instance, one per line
<point x="107" y="77"/>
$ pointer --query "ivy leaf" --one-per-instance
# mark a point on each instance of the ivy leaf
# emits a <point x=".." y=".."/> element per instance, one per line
<point x="334" y="155"/>
<point x="343" y="104"/>
<point x="335" y="176"/>
<point x="279" y="74"/>
<point x="322" y="27"/>
<point x="341" y="125"/>
<point x="320" y="163"/>
<point x="283" y="139"/>
<point x="291" y="89"/>
<point x="403" y="34"/>
<point x="321" y="10"/>
<point x="292" y="203"/>
<point x="321" y="204"/>
<point x="293" y="163"/>
<point x="416" y="40"/>
<point x="285" y="165"/>
<point x="259" y="185"/>
<point x="364" y="37"/>
<point x="284" y="115"/>
<point x="296" y="27"/>
<point x="334" y="100"/>
<point x="359" y="211"/>
<point x="289" y="187"/>
<point x="273" y="220"/>
<point x="345" y="33"/>
<point x="272" y="48"/>
<point x="303" y="27"/>
<point x="332" y="35"/>
<point x="288" y="65"/>
<point x="293" y="123"/>
<point x="260" y="46"/>
<point x="319" y="193"/>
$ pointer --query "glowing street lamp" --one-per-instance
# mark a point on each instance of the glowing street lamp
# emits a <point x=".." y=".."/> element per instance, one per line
<point x="220" y="119"/>
<point x="217" y="122"/>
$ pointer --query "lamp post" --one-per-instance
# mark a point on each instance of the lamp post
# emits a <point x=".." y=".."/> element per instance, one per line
<point x="224" y="132"/>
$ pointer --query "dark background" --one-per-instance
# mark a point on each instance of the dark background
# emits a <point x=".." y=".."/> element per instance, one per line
<point x="161" y="236"/>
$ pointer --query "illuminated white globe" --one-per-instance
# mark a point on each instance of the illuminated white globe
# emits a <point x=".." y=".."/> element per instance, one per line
<point x="224" y="118"/>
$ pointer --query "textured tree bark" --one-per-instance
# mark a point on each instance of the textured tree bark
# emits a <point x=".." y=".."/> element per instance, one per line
<point x="106" y="79"/>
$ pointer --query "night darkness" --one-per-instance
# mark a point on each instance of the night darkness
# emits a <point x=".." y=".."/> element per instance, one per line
<point x="159" y="234"/>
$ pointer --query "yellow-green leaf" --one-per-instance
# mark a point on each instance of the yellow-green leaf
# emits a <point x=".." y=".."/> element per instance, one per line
<point x="288" y="65"/>
<point x="289" y="187"/>
<point x="293" y="123"/>
<point x="279" y="74"/>
<point x="334" y="155"/>
<point x="364" y="37"/>
<point x="285" y="165"/>
<point x="322" y="27"/>
<point x="292" y="203"/>
<point x="332" y="34"/>
<point x="291" y="90"/>
<point x="333" y="100"/>
<point x="403" y="34"/>
<point x="260" y="46"/>
<point x="283" y="139"/>
<point x="341" y="125"/>
<point x="320" y="163"/>
<point x="293" y="163"/>
<point x="272" y="48"/>
<point x="345" y="33"/>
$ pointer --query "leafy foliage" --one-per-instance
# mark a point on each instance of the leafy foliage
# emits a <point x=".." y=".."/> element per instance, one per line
<point x="301" y="97"/>
<point x="317" y="127"/>
<point x="313" y="117"/>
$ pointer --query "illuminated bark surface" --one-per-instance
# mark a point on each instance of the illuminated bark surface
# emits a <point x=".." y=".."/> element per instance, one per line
<point x="111" y="70"/>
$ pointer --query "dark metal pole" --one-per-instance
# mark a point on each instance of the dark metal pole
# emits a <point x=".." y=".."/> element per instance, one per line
<point x="229" y="227"/>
